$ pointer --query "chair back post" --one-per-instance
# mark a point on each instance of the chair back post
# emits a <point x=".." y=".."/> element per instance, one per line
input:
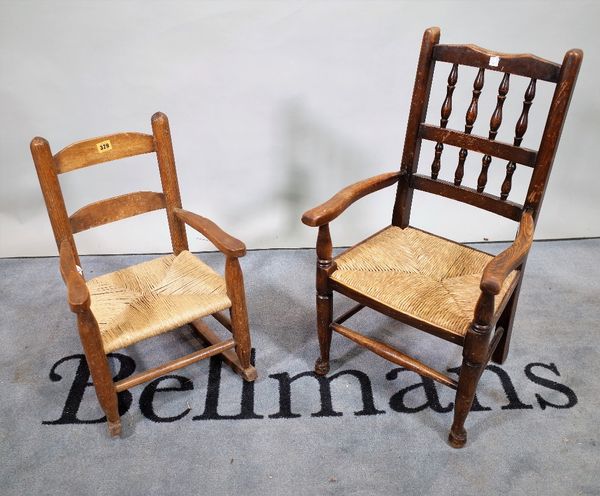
<point x="553" y="129"/>
<point x="55" y="203"/>
<point x="168" y="178"/>
<point x="412" y="143"/>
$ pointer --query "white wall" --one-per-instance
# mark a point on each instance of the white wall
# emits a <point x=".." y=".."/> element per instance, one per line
<point x="274" y="106"/>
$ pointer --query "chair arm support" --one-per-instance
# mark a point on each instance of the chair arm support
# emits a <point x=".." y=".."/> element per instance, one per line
<point x="505" y="262"/>
<point x="332" y="208"/>
<point x="224" y="242"/>
<point x="78" y="294"/>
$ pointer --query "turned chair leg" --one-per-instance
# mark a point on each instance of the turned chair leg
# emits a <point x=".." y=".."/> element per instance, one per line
<point x="239" y="317"/>
<point x="324" y="298"/>
<point x="475" y="357"/>
<point x="467" y="384"/>
<point x="324" y="318"/>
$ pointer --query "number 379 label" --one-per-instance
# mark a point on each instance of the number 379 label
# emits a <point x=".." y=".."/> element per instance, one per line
<point x="104" y="146"/>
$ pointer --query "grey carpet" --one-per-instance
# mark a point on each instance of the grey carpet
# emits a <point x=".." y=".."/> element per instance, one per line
<point x="541" y="437"/>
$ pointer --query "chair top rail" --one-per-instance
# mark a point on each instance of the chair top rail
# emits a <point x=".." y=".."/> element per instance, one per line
<point x="521" y="64"/>
<point x="102" y="149"/>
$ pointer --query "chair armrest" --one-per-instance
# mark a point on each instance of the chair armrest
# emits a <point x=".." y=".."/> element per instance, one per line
<point x="505" y="262"/>
<point x="332" y="208"/>
<point x="224" y="242"/>
<point x="78" y="294"/>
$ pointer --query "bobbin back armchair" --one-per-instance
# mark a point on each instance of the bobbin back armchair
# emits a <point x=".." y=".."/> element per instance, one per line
<point x="457" y="293"/>
<point x="133" y="304"/>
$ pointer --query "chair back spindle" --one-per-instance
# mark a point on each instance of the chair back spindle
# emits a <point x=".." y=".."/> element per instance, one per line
<point x="445" y="115"/>
<point x="470" y="121"/>
<point x="495" y="122"/>
<point x="520" y="129"/>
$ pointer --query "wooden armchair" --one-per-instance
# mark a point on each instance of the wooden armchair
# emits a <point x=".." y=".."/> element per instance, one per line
<point x="457" y="293"/>
<point x="122" y="308"/>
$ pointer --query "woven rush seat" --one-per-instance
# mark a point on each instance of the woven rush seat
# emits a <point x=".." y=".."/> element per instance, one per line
<point x="154" y="297"/>
<point x="421" y="275"/>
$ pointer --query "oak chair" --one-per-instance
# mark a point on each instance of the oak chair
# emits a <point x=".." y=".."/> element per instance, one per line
<point x="454" y="292"/>
<point x="133" y="304"/>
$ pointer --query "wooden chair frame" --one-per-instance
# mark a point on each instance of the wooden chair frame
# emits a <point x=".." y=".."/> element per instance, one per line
<point x="113" y="147"/>
<point x="489" y="334"/>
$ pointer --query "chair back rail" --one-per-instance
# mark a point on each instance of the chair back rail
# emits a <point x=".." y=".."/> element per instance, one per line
<point x="468" y="195"/>
<point x="478" y="144"/>
<point x="115" y="208"/>
<point x="102" y="149"/>
<point x="522" y="65"/>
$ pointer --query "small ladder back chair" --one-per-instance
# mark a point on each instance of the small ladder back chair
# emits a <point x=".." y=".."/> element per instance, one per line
<point x="457" y="293"/>
<point x="119" y="309"/>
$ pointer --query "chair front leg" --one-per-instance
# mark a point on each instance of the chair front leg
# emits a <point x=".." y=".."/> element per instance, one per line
<point x="324" y="298"/>
<point x="475" y="355"/>
<point x="467" y="384"/>
<point x="234" y="280"/>
<point x="99" y="370"/>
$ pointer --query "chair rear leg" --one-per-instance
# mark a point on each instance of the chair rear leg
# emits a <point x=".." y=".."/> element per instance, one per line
<point x="239" y="317"/>
<point x="506" y="322"/>
<point x="324" y="319"/>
